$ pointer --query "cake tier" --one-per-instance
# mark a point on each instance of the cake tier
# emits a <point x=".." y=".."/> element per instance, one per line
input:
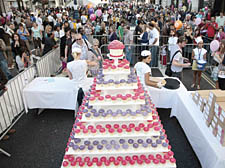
<point x="90" y="117"/>
<point x="161" y="160"/>
<point x="134" y="145"/>
<point x="116" y="102"/>
<point x="125" y="129"/>
<point x="110" y="68"/>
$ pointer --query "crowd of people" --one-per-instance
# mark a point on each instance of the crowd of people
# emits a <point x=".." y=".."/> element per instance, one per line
<point x="140" y="27"/>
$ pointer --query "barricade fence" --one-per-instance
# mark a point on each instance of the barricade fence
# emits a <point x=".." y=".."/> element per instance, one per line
<point x="162" y="55"/>
<point x="105" y="39"/>
<point x="11" y="101"/>
<point x="49" y="64"/>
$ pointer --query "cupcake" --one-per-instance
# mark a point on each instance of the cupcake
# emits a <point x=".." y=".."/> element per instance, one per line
<point x="116" y="49"/>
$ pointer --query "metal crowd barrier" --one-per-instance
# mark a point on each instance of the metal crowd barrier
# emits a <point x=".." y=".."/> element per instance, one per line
<point x="49" y="64"/>
<point x="104" y="39"/>
<point x="11" y="102"/>
<point x="163" y="53"/>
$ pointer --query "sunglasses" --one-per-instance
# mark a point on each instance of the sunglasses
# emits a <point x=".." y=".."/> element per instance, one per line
<point x="79" y="39"/>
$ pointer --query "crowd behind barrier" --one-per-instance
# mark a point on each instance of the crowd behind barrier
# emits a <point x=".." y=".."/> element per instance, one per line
<point x="11" y="101"/>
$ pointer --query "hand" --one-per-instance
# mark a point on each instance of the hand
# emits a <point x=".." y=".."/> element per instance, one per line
<point x="187" y="65"/>
<point x="99" y="58"/>
<point x="65" y="59"/>
<point x="5" y="89"/>
<point x="186" y="59"/>
<point x="159" y="85"/>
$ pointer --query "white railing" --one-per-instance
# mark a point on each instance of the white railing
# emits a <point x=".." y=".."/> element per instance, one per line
<point x="11" y="102"/>
<point x="49" y="64"/>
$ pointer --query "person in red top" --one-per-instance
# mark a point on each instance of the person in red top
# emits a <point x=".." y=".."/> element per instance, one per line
<point x="211" y="28"/>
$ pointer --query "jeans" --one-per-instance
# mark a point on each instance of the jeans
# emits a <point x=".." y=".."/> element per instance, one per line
<point x="129" y="52"/>
<point x="4" y="67"/>
<point x="154" y="62"/>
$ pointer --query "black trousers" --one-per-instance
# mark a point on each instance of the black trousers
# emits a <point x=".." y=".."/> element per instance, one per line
<point x="80" y="96"/>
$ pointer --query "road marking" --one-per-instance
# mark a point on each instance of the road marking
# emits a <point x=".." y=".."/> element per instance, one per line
<point x="208" y="80"/>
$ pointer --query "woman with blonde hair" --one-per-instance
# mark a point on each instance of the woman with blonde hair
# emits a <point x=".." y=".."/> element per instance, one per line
<point x="95" y="56"/>
<point x="48" y="30"/>
<point x="77" y="69"/>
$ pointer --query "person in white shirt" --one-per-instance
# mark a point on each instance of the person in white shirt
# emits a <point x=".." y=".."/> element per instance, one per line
<point x="77" y="69"/>
<point x="105" y="17"/>
<point x="178" y="60"/>
<point x="220" y="20"/>
<point x="198" y="54"/>
<point x="144" y="71"/>
<point x="40" y="22"/>
<point x="83" y="44"/>
<point x="154" y="42"/>
<point x="83" y="19"/>
<point x="172" y="42"/>
<point x="77" y="72"/>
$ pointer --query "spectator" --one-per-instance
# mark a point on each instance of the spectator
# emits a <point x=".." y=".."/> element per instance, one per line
<point x="105" y="17"/>
<point x="178" y="60"/>
<point x="219" y="57"/>
<point x="188" y="34"/>
<point x="220" y="20"/>
<point x="211" y="28"/>
<point x="121" y="31"/>
<point x="128" y="40"/>
<point x="21" y="52"/>
<point x="112" y="33"/>
<point x="3" y="60"/>
<point x="198" y="54"/>
<point x="144" y="38"/>
<point x="220" y="34"/>
<point x="63" y="42"/>
<point x="88" y="29"/>
<point x="94" y="55"/>
<point x="137" y="32"/>
<point x="49" y="43"/>
<point x="172" y="42"/>
<point x="24" y="34"/>
<point x="154" y="42"/>
<point x="48" y="30"/>
<point x="83" y="19"/>
<point x="36" y="36"/>
<point x="68" y="49"/>
<point x="84" y="45"/>
<point x="3" y="81"/>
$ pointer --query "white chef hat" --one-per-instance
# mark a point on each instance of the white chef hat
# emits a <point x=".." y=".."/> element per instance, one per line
<point x="76" y="50"/>
<point x="198" y="40"/>
<point x="145" y="53"/>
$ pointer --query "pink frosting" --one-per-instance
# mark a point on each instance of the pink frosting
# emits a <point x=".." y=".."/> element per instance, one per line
<point x="115" y="44"/>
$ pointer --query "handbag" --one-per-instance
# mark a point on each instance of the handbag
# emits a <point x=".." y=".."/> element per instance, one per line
<point x="168" y="71"/>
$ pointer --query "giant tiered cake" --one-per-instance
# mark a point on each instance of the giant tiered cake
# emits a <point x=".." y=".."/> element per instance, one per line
<point x="117" y="125"/>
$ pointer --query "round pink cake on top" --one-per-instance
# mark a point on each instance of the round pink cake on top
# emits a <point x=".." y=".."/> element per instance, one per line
<point x="116" y="49"/>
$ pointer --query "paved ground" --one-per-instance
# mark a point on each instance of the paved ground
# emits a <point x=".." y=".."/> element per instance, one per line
<point x="40" y="141"/>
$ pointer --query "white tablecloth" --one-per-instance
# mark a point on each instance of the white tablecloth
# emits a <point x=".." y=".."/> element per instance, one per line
<point x="209" y="151"/>
<point x="50" y="93"/>
<point x="164" y="98"/>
